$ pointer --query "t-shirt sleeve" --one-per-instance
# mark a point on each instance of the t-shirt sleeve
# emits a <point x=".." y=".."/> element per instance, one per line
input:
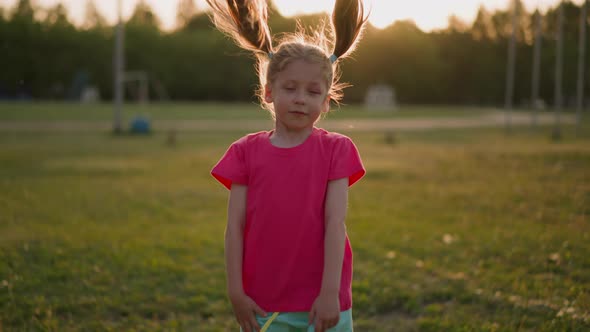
<point x="231" y="168"/>
<point x="346" y="162"/>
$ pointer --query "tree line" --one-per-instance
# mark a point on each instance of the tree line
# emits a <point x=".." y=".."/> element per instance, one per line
<point x="45" y="56"/>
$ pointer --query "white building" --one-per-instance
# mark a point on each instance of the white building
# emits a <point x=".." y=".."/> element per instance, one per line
<point x="380" y="97"/>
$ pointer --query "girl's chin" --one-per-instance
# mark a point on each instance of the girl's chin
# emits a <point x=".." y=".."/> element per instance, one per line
<point x="296" y="126"/>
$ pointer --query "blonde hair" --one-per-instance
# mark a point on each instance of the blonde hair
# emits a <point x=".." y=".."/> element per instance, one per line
<point x="246" y="21"/>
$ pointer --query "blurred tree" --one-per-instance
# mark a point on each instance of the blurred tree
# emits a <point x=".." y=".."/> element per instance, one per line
<point x="456" y="24"/>
<point x="144" y="15"/>
<point x="20" y="38"/>
<point x="185" y="11"/>
<point x="401" y="56"/>
<point x="200" y="21"/>
<point x="502" y="22"/>
<point x="456" y="50"/>
<point x="92" y="17"/>
<point x="462" y="64"/>
<point x="525" y="31"/>
<point x="277" y="22"/>
<point x="482" y="27"/>
<point x="24" y="10"/>
<point x="57" y="15"/>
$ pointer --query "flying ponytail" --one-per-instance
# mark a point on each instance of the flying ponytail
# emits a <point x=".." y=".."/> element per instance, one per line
<point x="348" y="19"/>
<point x="246" y="21"/>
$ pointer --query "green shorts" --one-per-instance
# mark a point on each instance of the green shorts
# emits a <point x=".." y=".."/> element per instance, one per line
<point x="298" y="322"/>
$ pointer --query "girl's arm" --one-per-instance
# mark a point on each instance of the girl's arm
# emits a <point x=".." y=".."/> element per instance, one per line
<point x="234" y="238"/>
<point x="335" y="210"/>
<point x="244" y="307"/>
<point x="326" y="309"/>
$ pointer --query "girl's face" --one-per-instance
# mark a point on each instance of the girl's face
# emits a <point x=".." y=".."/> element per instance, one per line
<point x="299" y="95"/>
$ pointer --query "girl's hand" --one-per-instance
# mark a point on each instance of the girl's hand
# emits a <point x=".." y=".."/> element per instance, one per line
<point x="245" y="310"/>
<point x="325" y="312"/>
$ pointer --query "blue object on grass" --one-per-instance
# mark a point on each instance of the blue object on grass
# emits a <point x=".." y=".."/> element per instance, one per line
<point x="140" y="125"/>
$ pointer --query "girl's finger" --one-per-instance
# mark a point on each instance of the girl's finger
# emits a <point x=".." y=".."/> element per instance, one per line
<point x="320" y="327"/>
<point x="311" y="316"/>
<point x="254" y="323"/>
<point x="259" y="310"/>
<point x="246" y="326"/>
<point x="333" y="322"/>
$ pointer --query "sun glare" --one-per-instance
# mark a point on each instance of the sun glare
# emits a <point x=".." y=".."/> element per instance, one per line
<point x="384" y="13"/>
<point x="426" y="13"/>
<point x="292" y="8"/>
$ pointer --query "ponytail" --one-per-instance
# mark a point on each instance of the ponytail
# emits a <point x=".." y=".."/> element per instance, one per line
<point x="348" y="19"/>
<point x="245" y="21"/>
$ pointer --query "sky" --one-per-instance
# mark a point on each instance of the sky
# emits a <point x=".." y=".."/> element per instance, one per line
<point x="427" y="14"/>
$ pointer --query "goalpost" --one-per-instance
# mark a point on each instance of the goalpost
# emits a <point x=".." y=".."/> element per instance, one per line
<point x="118" y="66"/>
<point x="140" y="78"/>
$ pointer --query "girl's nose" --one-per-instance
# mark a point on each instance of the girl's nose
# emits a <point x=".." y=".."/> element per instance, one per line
<point x="299" y="97"/>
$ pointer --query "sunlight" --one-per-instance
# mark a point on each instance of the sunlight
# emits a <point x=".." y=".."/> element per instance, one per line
<point x="292" y="8"/>
<point x="384" y="13"/>
<point x="425" y="13"/>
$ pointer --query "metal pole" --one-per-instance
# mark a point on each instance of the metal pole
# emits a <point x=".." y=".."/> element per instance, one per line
<point x="510" y="68"/>
<point x="558" y="74"/>
<point x="581" y="58"/>
<point x="536" y="68"/>
<point x="118" y="72"/>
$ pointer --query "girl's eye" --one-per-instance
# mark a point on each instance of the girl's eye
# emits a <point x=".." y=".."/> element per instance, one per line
<point x="289" y="88"/>
<point x="313" y="92"/>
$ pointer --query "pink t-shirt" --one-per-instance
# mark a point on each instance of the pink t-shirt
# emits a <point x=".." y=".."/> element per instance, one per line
<point x="284" y="233"/>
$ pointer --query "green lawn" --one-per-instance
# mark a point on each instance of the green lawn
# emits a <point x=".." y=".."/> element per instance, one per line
<point x="14" y="111"/>
<point x="452" y="230"/>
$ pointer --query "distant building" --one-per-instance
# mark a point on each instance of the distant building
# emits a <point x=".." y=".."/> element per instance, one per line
<point x="90" y="95"/>
<point x="380" y="97"/>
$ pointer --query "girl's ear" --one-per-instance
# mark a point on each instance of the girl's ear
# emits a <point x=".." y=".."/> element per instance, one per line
<point x="268" y="93"/>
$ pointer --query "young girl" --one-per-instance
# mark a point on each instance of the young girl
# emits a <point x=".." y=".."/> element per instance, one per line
<point x="288" y="258"/>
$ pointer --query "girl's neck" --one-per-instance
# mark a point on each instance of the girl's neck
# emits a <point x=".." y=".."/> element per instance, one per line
<point x="285" y="138"/>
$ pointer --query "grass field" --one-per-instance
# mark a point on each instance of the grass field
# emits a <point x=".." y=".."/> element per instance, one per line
<point x="452" y="230"/>
<point x="14" y="111"/>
